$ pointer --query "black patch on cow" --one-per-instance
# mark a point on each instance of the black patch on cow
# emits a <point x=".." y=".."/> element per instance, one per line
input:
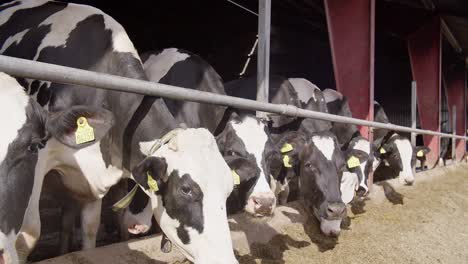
<point x="27" y="48"/>
<point x="28" y="18"/>
<point x="43" y="95"/>
<point x="139" y="201"/>
<point x="192" y="73"/>
<point x="34" y="87"/>
<point x="6" y="6"/>
<point x="248" y="172"/>
<point x="16" y="179"/>
<point x="183" y="200"/>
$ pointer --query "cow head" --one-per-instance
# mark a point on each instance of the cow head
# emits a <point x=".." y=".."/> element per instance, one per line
<point x="188" y="183"/>
<point x="366" y="161"/>
<point x="354" y="180"/>
<point x="421" y="152"/>
<point x="398" y="152"/>
<point x="247" y="138"/>
<point x="27" y="130"/>
<point x="319" y="163"/>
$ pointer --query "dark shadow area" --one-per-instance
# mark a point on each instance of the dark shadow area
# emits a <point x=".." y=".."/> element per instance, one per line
<point x="273" y="250"/>
<point x="384" y="172"/>
<point x="312" y="229"/>
<point x="358" y="205"/>
<point x="392" y="196"/>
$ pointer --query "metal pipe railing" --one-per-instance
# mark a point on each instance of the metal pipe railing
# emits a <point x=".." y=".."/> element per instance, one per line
<point x="66" y="75"/>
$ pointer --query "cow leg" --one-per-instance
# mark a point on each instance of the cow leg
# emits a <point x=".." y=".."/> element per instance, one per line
<point x="283" y="195"/>
<point x="66" y="232"/>
<point x="29" y="235"/>
<point x="423" y="165"/>
<point x="90" y="220"/>
<point x="166" y="244"/>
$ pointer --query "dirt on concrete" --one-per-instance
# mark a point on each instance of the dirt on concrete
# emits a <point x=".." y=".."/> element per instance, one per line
<point x="425" y="223"/>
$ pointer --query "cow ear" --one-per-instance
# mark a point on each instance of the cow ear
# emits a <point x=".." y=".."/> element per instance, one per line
<point x="424" y="149"/>
<point x="355" y="157"/>
<point x="291" y="147"/>
<point x="79" y="126"/>
<point x="150" y="173"/>
<point x="243" y="168"/>
<point x="359" y="154"/>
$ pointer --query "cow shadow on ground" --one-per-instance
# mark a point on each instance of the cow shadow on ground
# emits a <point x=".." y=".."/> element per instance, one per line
<point x="324" y="243"/>
<point x="381" y="175"/>
<point x="266" y="243"/>
<point x="312" y="229"/>
<point x="358" y="205"/>
<point x="391" y="194"/>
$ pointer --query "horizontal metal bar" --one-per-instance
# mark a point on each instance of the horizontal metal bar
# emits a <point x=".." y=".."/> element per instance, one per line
<point x="66" y="75"/>
<point x="243" y="7"/>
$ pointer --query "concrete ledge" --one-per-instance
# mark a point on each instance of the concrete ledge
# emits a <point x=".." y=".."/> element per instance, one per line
<point x="249" y="235"/>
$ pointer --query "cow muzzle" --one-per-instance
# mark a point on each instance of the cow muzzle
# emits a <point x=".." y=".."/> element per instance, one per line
<point x="261" y="204"/>
<point x="406" y="179"/>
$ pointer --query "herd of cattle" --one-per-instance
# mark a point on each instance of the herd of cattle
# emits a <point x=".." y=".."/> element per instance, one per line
<point x="189" y="177"/>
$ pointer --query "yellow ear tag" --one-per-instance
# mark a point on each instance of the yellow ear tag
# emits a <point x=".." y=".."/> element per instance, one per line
<point x="286" y="162"/>
<point x="84" y="132"/>
<point x="152" y="183"/>
<point x="236" y="177"/>
<point x="353" y="162"/>
<point x="382" y="151"/>
<point x="286" y="148"/>
<point x="420" y="153"/>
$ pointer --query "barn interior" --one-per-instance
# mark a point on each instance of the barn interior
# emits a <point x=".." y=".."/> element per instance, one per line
<point x="224" y="34"/>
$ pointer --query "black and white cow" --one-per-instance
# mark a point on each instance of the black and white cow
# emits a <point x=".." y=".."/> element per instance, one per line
<point x="239" y="138"/>
<point x="393" y="149"/>
<point x="194" y="179"/>
<point x="310" y="151"/>
<point x="32" y="143"/>
<point x="242" y="139"/>
<point x="349" y="138"/>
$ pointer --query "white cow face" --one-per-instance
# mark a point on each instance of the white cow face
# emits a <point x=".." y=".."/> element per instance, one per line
<point x="246" y="138"/>
<point x="193" y="183"/>
<point x="398" y="152"/>
<point x="354" y="178"/>
<point x="365" y="167"/>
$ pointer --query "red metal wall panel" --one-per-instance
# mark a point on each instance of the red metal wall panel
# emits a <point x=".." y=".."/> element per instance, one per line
<point x="424" y="48"/>
<point x="456" y="96"/>
<point x="351" y="32"/>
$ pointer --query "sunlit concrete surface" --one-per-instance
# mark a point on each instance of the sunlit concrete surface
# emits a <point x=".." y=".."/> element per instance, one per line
<point x="424" y="223"/>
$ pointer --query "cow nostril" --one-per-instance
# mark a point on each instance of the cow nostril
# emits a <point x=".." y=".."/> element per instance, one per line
<point x="335" y="209"/>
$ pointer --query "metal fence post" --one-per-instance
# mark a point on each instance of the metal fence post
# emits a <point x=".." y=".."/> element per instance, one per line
<point x="413" y="111"/>
<point x="454" y="132"/>
<point x="263" y="52"/>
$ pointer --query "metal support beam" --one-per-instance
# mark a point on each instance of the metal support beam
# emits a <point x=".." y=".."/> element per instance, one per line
<point x="413" y="111"/>
<point x="351" y="27"/>
<point x="263" y="52"/>
<point x="454" y="131"/>
<point x="90" y="80"/>
<point x="425" y="52"/>
<point x="455" y="80"/>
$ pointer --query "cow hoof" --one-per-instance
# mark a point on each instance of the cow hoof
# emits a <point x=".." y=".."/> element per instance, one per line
<point x="166" y="245"/>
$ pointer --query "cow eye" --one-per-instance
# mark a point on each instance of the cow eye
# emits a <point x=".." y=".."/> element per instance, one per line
<point x="310" y="167"/>
<point x="186" y="190"/>
<point x="35" y="146"/>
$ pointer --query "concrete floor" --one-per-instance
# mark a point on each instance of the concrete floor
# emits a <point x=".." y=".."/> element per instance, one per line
<point x="424" y="223"/>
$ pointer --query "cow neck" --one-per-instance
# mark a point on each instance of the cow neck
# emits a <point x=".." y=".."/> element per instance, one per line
<point x="149" y="119"/>
<point x="353" y="136"/>
<point x="385" y="139"/>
